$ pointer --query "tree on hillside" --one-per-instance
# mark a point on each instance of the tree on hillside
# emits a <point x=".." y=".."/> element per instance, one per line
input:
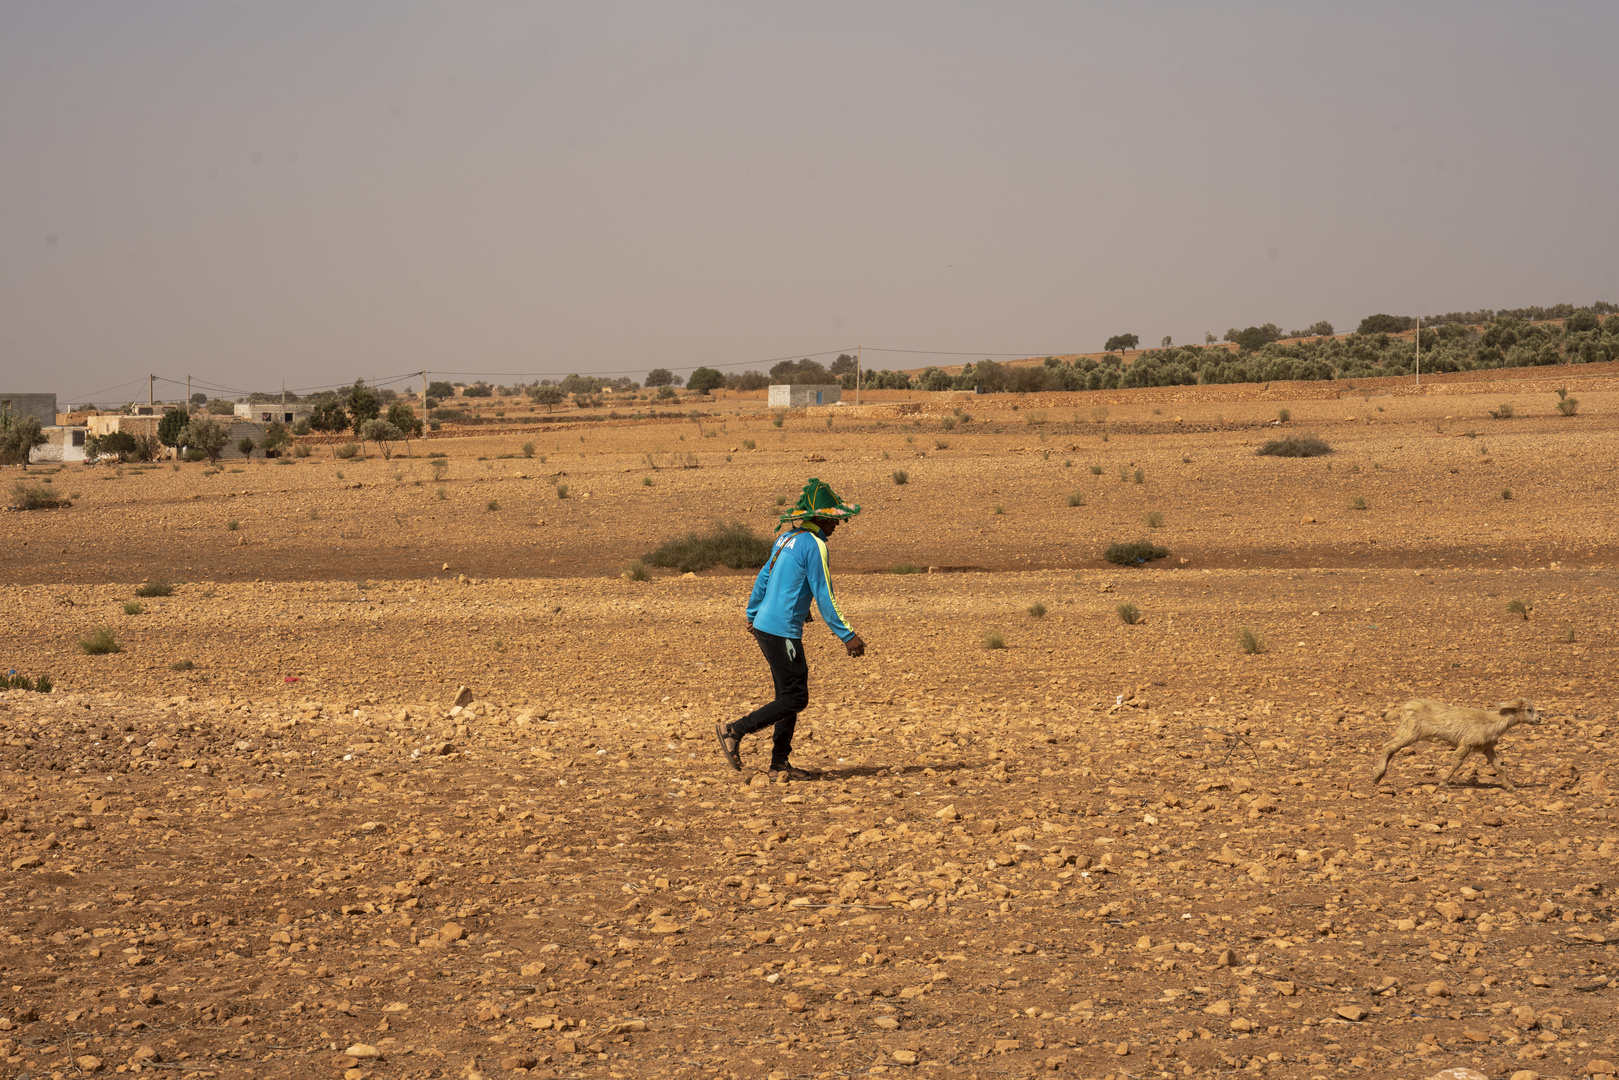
<point x="1255" y="337"/>
<point x="1121" y="342"/>
<point x="705" y="380"/>
<point x="440" y="389"/>
<point x="758" y="380"/>
<point x="549" y="396"/>
<point x="362" y="404"/>
<point x="404" y="418"/>
<point x="658" y="376"/>
<point x="18" y="437"/>
<point x="1321" y="329"/>
<point x="274" y="438"/>
<point x="199" y="398"/>
<point x="1385" y="324"/>
<point x="479" y="389"/>
<point x="843" y="365"/>
<point x="383" y="434"/>
<point x="206" y="434"/>
<point x="169" y="428"/>
<point x="1167" y="343"/>
<point x="329" y="418"/>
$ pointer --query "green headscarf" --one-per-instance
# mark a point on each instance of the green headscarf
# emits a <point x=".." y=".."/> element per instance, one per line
<point x="818" y="500"/>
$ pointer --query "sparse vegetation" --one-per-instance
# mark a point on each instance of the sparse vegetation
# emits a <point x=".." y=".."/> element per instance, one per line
<point x="748" y="444"/>
<point x="232" y="525"/>
<point x="1153" y="519"/>
<point x="1568" y="406"/>
<point x="734" y="545"/>
<point x="528" y="449"/>
<point x="1284" y="415"/>
<point x="940" y="444"/>
<point x="1129" y="614"/>
<point x="1139" y="476"/>
<point x="491" y="506"/>
<point x="1251" y="643"/>
<point x="1506" y="494"/>
<point x="26" y="496"/>
<point x="1295" y="446"/>
<point x="993" y="640"/>
<point x="347" y="451"/>
<point x="900" y="477"/>
<point x="1520" y="607"/>
<point x="646" y="481"/>
<point x="562" y="491"/>
<point x="1133" y="552"/>
<point x="1037" y="610"/>
<point x="182" y="665"/>
<point x="155" y="587"/>
<point x="133" y="607"/>
<point x="1502" y="411"/>
<point x="1358" y="503"/>
<point x="1096" y="470"/>
<point x="636" y="571"/>
<point x="1569" y="636"/>
<point x="1076" y="498"/>
<point x="1000" y="509"/>
<point x="101" y="643"/>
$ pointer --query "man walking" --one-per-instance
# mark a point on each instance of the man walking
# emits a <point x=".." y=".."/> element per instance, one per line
<point x="777" y="610"/>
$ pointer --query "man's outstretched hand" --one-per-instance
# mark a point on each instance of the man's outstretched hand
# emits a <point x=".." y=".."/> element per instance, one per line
<point x="856" y="646"/>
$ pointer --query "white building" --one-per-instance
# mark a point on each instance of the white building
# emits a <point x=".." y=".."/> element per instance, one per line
<point x="786" y="396"/>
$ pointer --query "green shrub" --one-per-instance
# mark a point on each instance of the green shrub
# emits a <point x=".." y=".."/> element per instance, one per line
<point x="562" y="491"/>
<point x="1517" y="606"/>
<point x="1133" y="552"/>
<point x="646" y="481"/>
<point x="232" y="525"/>
<point x="528" y="449"/>
<point x="636" y="571"/>
<point x="1295" y="446"/>
<point x="940" y="444"/>
<point x="1504" y="412"/>
<point x="155" y="587"/>
<point x="1358" y="503"/>
<point x="1568" y="636"/>
<point x="1283" y="415"/>
<point x="301" y="450"/>
<point x="948" y="423"/>
<point x="1096" y="470"/>
<point x="781" y="500"/>
<point x="1568" y="406"/>
<point x="1037" y="610"/>
<point x="1129" y="614"/>
<point x="1251" y="643"/>
<point x="26" y="496"/>
<point x="491" y="506"/>
<point x="999" y="509"/>
<point x="905" y="568"/>
<point x="246" y="445"/>
<point x="776" y="420"/>
<point x="1139" y="476"/>
<point x="735" y="545"/>
<point x="1076" y="498"/>
<point x="133" y="607"/>
<point x="993" y="640"/>
<point x="347" y="450"/>
<point x="1153" y="519"/>
<point x="182" y="665"/>
<point x="749" y="444"/>
<point x="193" y="454"/>
<point x="1506" y="494"/>
<point x="901" y="477"/>
<point x="101" y="643"/>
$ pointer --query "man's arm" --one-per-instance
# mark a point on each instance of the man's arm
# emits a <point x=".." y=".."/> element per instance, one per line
<point x="820" y="582"/>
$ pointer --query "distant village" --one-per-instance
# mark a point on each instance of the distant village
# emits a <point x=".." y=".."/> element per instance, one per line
<point x="75" y="435"/>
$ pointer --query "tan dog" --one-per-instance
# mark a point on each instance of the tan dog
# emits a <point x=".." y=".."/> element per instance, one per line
<point x="1465" y="729"/>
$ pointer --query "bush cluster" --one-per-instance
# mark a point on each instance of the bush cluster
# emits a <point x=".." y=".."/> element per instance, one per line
<point x="734" y="545"/>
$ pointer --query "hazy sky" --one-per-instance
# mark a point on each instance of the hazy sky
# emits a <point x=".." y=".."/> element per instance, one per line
<point x="253" y="192"/>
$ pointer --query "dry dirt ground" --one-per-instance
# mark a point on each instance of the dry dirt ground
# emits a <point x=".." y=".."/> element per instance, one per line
<point x="1105" y="850"/>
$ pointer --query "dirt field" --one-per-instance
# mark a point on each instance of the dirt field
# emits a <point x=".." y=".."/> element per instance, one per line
<point x="1106" y="850"/>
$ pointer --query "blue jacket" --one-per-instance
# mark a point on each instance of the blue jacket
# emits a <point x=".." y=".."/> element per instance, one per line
<point x="797" y="568"/>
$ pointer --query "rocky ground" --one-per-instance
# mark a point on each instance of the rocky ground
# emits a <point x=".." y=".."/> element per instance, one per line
<point x="1106" y="850"/>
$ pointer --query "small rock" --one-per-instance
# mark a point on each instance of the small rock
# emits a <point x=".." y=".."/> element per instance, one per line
<point x="27" y="862"/>
<point x="906" y="1057"/>
<point x="948" y="813"/>
<point x="1352" y="1013"/>
<point x="1438" y="989"/>
<point x="1525" y="1074"/>
<point x="519" y="1061"/>
<point x="886" y="1023"/>
<point x="1227" y="958"/>
<point x="463" y="696"/>
<point x="88" y="1063"/>
<point x="362" y="1051"/>
<point x="1598" y="1067"/>
<point x="1458" y="1073"/>
<point x="567" y="1046"/>
<point x="1218" y="1008"/>
<point x="1122" y="1049"/>
<point x="451" y="932"/>
<point x="793" y="1003"/>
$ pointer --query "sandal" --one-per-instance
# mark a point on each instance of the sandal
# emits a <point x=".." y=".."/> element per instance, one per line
<point x="783" y="773"/>
<point x="730" y="745"/>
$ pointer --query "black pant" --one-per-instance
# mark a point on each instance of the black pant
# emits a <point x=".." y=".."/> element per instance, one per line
<point x="790" y="672"/>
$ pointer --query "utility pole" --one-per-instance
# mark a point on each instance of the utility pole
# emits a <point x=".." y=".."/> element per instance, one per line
<point x="857" y="349"/>
<point x="424" y="389"/>
<point x="150" y="404"/>
<point x="188" y="395"/>
<point x="1419" y="350"/>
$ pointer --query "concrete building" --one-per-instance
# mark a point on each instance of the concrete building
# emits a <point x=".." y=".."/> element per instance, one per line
<point x="40" y="406"/>
<point x="107" y="423"/>
<point x="62" y="444"/>
<point x="266" y="411"/>
<point x="798" y="397"/>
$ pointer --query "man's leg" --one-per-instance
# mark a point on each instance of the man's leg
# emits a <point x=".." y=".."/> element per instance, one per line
<point x="789" y="673"/>
<point x="792" y="684"/>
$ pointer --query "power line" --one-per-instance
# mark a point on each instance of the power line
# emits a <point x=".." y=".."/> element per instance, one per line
<point x="943" y="352"/>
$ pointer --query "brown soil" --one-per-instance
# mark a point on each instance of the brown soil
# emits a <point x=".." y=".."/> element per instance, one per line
<point x="1104" y="849"/>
